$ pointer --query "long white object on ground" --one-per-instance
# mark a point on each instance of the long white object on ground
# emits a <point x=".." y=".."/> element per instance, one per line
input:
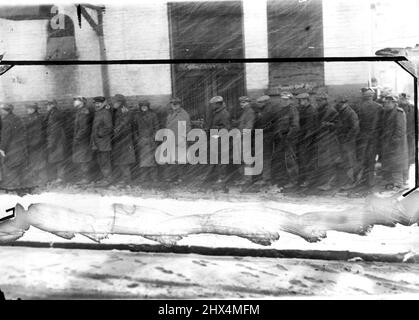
<point x="256" y="222"/>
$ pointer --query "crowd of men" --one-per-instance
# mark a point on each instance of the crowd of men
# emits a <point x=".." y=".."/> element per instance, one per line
<point x="309" y="142"/>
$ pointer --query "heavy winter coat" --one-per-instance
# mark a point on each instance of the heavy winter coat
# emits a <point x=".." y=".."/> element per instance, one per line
<point x="56" y="137"/>
<point x="102" y="130"/>
<point x="326" y="138"/>
<point x="82" y="151"/>
<point x="146" y="125"/>
<point x="370" y="125"/>
<point x="347" y="131"/>
<point x="123" y="151"/>
<point x="35" y="173"/>
<point x="394" y="141"/>
<point x="13" y="141"/>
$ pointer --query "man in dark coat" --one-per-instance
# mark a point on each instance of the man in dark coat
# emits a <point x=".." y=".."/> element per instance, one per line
<point x="394" y="160"/>
<point x="245" y="123"/>
<point x="82" y="152"/>
<point x="123" y="152"/>
<point x="56" y="142"/>
<point x="266" y="120"/>
<point x="13" y="151"/>
<point x="146" y="124"/>
<point x="306" y="146"/>
<point x="327" y="143"/>
<point x="220" y="119"/>
<point x="347" y="131"/>
<point x="35" y="173"/>
<point x="369" y="115"/>
<point x="409" y="110"/>
<point x="285" y="166"/>
<point x="101" y="139"/>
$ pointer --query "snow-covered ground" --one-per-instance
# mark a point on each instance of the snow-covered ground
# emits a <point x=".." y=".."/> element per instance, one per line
<point x="78" y="273"/>
<point x="34" y="273"/>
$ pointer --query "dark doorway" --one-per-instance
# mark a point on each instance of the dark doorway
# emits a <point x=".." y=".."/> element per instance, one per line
<point x="200" y="31"/>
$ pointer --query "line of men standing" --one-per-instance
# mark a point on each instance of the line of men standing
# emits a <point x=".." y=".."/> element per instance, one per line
<point x="323" y="146"/>
<point x="34" y="150"/>
<point x="328" y="146"/>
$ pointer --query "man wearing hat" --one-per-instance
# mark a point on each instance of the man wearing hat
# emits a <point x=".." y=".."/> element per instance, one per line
<point x="347" y="131"/>
<point x="306" y="146"/>
<point x="285" y="166"/>
<point x="177" y="117"/>
<point x="327" y="142"/>
<point x="267" y="121"/>
<point x="101" y="139"/>
<point x="369" y="115"/>
<point x="35" y="173"/>
<point x="146" y="124"/>
<point x="123" y="151"/>
<point x="409" y="110"/>
<point x="218" y="119"/>
<point x="13" y="151"/>
<point x="82" y="152"/>
<point x="394" y="157"/>
<point x="56" y="142"/>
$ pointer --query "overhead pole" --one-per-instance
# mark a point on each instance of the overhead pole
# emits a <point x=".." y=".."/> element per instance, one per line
<point x="98" y="28"/>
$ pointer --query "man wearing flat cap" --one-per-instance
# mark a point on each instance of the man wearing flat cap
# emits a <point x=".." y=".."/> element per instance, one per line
<point x="35" y="173"/>
<point x="123" y="151"/>
<point x="347" y="131"/>
<point x="285" y="166"/>
<point x="13" y="149"/>
<point x="146" y="124"/>
<point x="218" y="119"/>
<point x="306" y="146"/>
<point x="82" y="152"/>
<point x="101" y="139"/>
<point x="369" y="115"/>
<point x="56" y="142"/>
<point x="327" y="142"/>
<point x="265" y="119"/>
<point x="177" y="118"/>
<point x="394" y="153"/>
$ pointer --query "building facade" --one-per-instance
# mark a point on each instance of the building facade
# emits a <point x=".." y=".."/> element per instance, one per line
<point x="199" y="29"/>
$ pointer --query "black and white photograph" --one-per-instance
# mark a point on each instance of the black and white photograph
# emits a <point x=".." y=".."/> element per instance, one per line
<point x="207" y="150"/>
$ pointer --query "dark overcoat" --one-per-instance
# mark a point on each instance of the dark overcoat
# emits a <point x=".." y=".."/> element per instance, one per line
<point x="326" y="138"/>
<point x="13" y="143"/>
<point x="56" y="137"/>
<point x="146" y="125"/>
<point x="82" y="151"/>
<point x="123" y="151"/>
<point x="394" y="141"/>
<point x="102" y="130"/>
<point x="35" y="173"/>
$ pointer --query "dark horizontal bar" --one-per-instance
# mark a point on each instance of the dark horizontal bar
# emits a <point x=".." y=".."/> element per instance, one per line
<point x="178" y="61"/>
<point x="239" y="252"/>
